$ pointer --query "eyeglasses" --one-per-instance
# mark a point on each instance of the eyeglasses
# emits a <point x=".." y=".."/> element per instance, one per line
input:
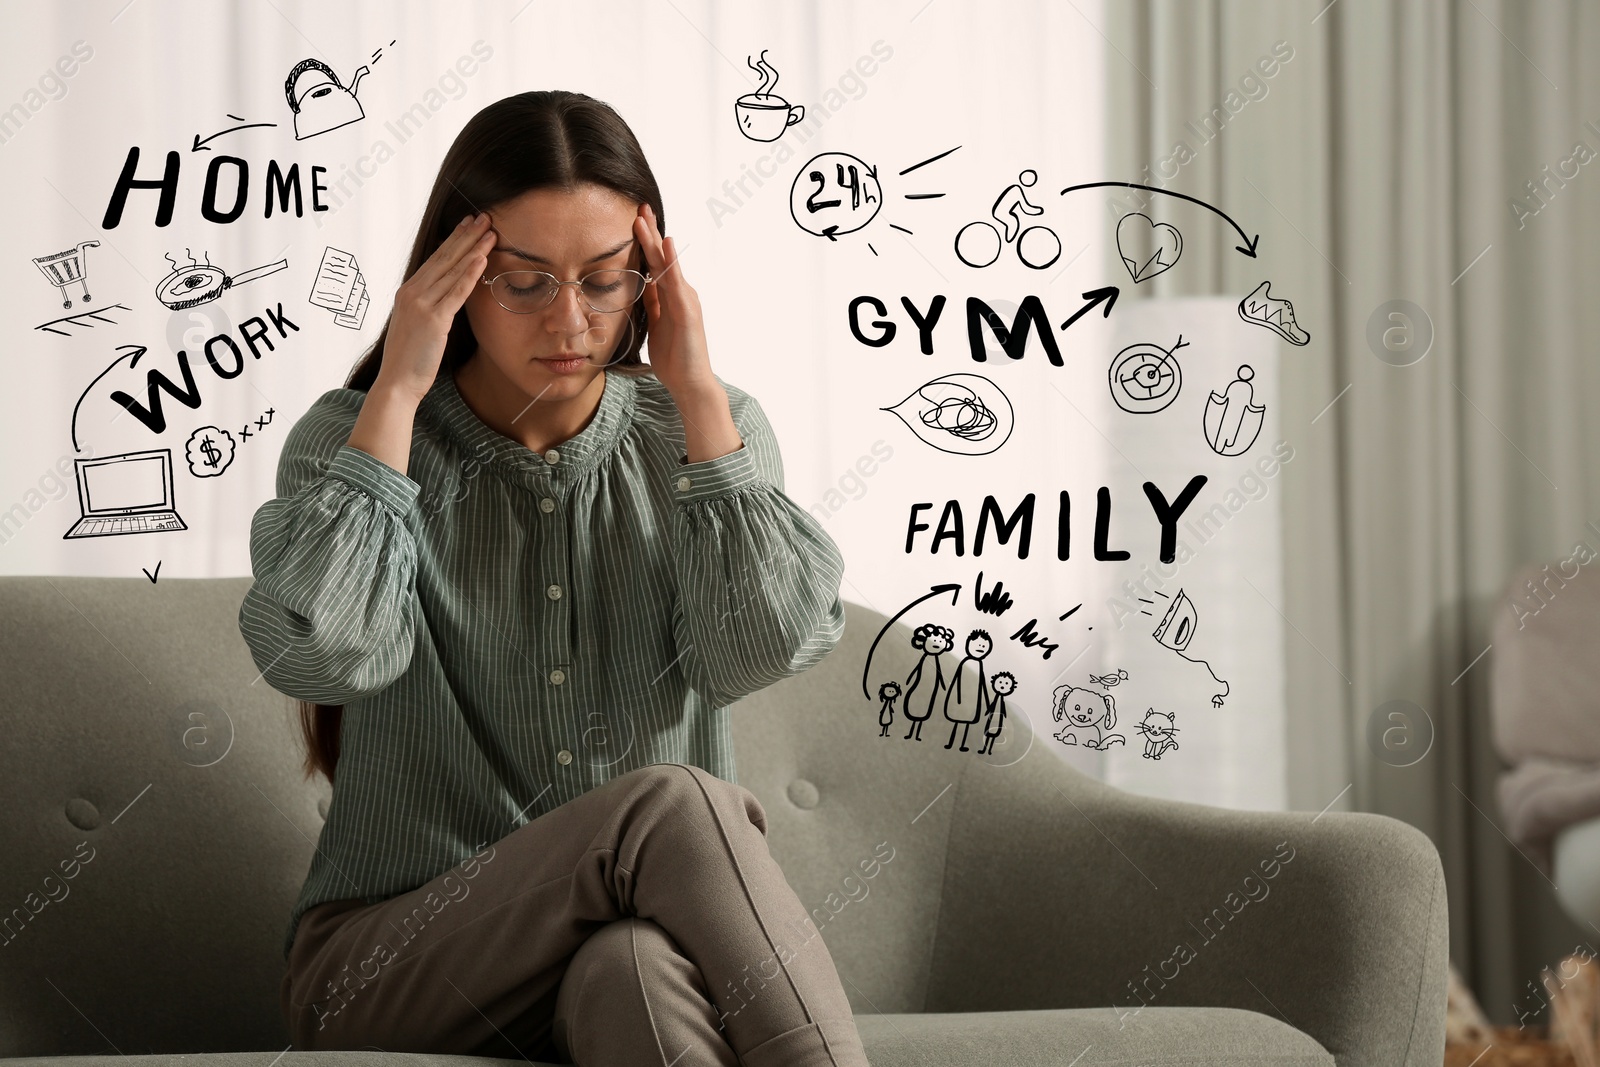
<point x="523" y="292"/>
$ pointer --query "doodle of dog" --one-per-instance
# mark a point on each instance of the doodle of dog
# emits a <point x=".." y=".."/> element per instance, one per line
<point x="1089" y="717"/>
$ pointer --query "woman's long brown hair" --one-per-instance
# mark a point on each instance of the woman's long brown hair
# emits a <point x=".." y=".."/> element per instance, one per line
<point x="534" y="140"/>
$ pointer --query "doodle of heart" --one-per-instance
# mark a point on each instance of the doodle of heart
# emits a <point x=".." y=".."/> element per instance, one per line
<point x="1148" y="248"/>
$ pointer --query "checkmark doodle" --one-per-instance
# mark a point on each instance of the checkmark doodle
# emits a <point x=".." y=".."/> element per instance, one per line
<point x="154" y="576"/>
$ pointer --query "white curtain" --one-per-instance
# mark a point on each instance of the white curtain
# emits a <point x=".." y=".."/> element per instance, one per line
<point x="1433" y="153"/>
<point x="951" y="103"/>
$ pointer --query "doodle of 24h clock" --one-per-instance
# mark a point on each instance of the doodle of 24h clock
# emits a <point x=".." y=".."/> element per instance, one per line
<point x="835" y="193"/>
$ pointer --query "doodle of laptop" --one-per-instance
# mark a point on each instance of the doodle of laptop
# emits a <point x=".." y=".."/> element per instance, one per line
<point x="125" y="494"/>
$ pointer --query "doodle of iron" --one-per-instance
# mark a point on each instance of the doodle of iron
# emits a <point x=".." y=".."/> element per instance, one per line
<point x="1176" y="630"/>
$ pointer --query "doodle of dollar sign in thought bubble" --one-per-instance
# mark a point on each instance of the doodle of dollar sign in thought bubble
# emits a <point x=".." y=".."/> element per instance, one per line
<point x="209" y="451"/>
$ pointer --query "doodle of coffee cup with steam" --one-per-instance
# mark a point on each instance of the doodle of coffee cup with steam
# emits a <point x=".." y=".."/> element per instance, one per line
<point x="763" y="115"/>
<point x="965" y="414"/>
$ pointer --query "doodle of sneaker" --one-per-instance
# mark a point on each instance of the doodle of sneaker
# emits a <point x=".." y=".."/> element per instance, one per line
<point x="1276" y="315"/>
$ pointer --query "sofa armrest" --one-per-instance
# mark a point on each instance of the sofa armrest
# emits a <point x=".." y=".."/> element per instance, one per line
<point x="1063" y="892"/>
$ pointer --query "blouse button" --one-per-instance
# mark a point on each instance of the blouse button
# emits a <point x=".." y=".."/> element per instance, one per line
<point x="558" y="676"/>
<point x="684" y="483"/>
<point x="553" y="592"/>
<point x="552" y="457"/>
<point x="547" y="505"/>
<point x="563" y="757"/>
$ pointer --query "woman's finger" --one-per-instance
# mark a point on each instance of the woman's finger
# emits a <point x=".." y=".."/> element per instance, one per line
<point x="649" y="243"/>
<point x="461" y="242"/>
<point x="652" y="304"/>
<point x="662" y="267"/>
<point x="465" y="271"/>
<point x="677" y="286"/>
<point x="469" y="264"/>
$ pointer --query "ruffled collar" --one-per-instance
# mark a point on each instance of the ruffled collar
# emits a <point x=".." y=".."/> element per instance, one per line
<point x="445" y="407"/>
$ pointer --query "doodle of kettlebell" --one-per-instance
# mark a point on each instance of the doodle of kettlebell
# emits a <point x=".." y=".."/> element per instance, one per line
<point x="317" y="99"/>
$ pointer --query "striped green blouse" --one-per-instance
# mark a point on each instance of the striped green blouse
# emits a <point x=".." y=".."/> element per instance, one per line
<point x="508" y="629"/>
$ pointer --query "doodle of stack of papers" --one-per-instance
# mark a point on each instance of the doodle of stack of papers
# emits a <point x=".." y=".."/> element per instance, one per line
<point x="341" y="288"/>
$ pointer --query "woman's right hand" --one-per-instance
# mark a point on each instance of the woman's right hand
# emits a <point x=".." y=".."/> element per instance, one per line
<point x="425" y="306"/>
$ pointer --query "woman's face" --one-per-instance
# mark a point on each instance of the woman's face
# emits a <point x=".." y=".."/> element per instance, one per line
<point x="569" y="235"/>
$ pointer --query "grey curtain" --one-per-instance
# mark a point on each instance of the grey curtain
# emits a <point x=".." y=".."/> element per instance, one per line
<point x="1441" y="154"/>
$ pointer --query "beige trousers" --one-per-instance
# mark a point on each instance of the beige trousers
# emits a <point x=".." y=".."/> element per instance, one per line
<point x="643" y="922"/>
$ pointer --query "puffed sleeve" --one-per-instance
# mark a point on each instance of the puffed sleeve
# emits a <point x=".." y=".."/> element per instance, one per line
<point x="758" y="577"/>
<point x="332" y="613"/>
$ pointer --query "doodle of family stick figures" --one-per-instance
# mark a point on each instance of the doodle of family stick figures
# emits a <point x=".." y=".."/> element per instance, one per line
<point x="968" y="708"/>
<point x="887" y="693"/>
<point x="934" y="640"/>
<point x="1004" y="684"/>
<point x="1012" y="198"/>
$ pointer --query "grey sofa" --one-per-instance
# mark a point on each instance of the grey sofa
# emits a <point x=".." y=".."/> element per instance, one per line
<point x="157" y="829"/>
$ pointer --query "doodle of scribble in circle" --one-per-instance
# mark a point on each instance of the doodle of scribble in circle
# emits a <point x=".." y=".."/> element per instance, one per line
<point x="1399" y="733"/>
<point x="203" y="733"/>
<point x="1145" y="377"/>
<point x="965" y="414"/>
<point x="189" y="330"/>
<point x="834" y="193"/>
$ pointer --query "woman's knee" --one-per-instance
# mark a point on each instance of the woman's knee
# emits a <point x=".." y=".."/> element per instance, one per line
<point x="628" y="954"/>
<point x="621" y="947"/>
<point x="694" y="792"/>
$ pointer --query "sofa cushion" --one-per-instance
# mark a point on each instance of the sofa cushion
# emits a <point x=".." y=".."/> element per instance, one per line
<point x="1173" y="1037"/>
<point x="1088" y="1037"/>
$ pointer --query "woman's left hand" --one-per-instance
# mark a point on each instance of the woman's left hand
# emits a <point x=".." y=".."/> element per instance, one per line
<point x="676" y="333"/>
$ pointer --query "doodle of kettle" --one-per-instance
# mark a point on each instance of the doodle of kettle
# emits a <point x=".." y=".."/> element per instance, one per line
<point x="317" y="99"/>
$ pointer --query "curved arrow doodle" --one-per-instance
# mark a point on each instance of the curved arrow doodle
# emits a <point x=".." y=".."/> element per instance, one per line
<point x="138" y="350"/>
<point x="1249" y="246"/>
<point x="200" y="144"/>
<point x="953" y="588"/>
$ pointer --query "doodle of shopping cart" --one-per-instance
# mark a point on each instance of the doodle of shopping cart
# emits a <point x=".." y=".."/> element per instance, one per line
<point x="64" y="268"/>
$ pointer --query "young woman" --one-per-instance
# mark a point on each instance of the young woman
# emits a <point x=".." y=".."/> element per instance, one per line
<point x="517" y="576"/>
